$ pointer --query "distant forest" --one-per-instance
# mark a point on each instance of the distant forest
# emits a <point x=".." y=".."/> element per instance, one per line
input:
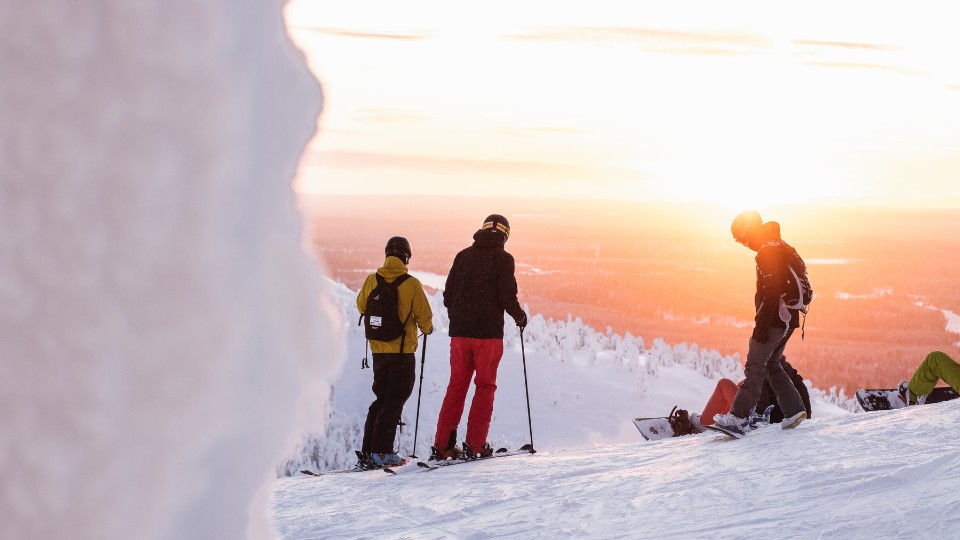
<point x="881" y="277"/>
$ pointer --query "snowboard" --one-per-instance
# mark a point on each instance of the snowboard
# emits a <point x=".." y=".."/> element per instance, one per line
<point x="725" y="431"/>
<point x="654" y="429"/>
<point x="885" y="399"/>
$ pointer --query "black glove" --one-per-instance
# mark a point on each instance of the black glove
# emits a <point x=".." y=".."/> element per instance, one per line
<point x="760" y="336"/>
<point x="522" y="321"/>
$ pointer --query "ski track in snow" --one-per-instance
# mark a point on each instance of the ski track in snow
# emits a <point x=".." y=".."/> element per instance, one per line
<point x="884" y="474"/>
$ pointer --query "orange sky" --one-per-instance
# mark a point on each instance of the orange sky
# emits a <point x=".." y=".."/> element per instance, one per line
<point x="733" y="103"/>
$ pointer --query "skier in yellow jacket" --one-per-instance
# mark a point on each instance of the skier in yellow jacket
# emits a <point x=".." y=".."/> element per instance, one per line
<point x="394" y="360"/>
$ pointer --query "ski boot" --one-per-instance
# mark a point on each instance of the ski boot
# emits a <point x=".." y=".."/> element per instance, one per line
<point x="386" y="460"/>
<point x="483" y="452"/>
<point x="442" y="455"/>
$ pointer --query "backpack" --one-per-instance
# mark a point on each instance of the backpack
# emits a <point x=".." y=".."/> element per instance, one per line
<point x="797" y="291"/>
<point x="382" y="313"/>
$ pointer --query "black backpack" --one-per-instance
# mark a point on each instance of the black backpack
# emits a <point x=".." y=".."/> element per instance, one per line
<point x="797" y="291"/>
<point x="382" y="313"/>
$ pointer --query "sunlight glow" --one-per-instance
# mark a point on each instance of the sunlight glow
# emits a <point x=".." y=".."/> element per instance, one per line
<point x="637" y="100"/>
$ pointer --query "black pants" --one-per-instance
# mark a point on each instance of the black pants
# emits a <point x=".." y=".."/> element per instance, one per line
<point x="763" y="364"/>
<point x="393" y="378"/>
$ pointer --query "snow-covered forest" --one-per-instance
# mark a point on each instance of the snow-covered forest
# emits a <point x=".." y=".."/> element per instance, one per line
<point x="585" y="387"/>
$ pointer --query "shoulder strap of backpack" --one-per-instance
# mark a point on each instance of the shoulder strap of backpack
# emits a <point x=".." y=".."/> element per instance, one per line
<point x="396" y="283"/>
<point x="400" y="279"/>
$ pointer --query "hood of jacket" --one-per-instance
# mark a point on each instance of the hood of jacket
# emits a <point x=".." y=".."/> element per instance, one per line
<point x="769" y="232"/>
<point x="392" y="268"/>
<point x="488" y="238"/>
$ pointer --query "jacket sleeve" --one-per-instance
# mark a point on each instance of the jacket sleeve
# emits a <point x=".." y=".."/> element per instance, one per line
<point x="451" y="286"/>
<point x="364" y="293"/>
<point x="770" y="277"/>
<point x="421" y="308"/>
<point x="507" y="289"/>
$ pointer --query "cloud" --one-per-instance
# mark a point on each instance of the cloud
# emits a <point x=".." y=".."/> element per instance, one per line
<point x="862" y="65"/>
<point x="341" y="32"/>
<point x="538" y="131"/>
<point x="656" y="40"/>
<point x="355" y="159"/>
<point x="846" y="45"/>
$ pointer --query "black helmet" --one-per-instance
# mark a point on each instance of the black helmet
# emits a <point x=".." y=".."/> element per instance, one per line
<point x="398" y="247"/>
<point x="742" y="224"/>
<point x="497" y="223"/>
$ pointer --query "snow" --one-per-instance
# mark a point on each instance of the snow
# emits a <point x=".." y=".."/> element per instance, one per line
<point x="593" y="474"/>
<point x="158" y="315"/>
<point x="585" y="386"/>
<point x="876" y="293"/>
<point x="890" y="474"/>
<point x="953" y="321"/>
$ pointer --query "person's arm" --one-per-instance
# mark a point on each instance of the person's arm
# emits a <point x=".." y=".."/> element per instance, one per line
<point x="422" y="312"/>
<point x="507" y="292"/>
<point x="364" y="293"/>
<point x="452" y="284"/>
<point x="771" y="278"/>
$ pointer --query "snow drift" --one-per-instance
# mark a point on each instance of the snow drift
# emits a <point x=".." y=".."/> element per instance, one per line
<point x="158" y="315"/>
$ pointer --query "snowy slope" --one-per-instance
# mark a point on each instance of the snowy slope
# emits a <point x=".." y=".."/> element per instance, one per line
<point x="585" y="387"/>
<point x="593" y="474"/>
<point x="873" y="475"/>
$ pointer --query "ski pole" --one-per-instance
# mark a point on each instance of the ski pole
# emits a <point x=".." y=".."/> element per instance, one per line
<point x="416" y="428"/>
<point x="523" y="355"/>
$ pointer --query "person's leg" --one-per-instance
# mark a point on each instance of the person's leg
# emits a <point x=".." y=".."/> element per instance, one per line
<point x="379" y="391"/>
<point x="784" y="391"/>
<point x="487" y="360"/>
<point x="755" y="370"/>
<point x="719" y="402"/>
<point x="461" y="371"/>
<point x="936" y="366"/>
<point x="401" y="369"/>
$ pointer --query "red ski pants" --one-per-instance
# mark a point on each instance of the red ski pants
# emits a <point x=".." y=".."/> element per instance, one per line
<point x="469" y="356"/>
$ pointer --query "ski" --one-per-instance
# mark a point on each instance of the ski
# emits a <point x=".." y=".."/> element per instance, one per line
<point x="306" y="472"/>
<point x="353" y="470"/>
<point x="356" y="468"/>
<point x="501" y="452"/>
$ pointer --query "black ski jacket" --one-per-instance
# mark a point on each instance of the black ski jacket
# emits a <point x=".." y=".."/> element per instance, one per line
<point x="771" y="276"/>
<point x="480" y="286"/>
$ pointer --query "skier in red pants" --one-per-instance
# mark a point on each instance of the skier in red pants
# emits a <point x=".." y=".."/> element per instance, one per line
<point x="480" y="286"/>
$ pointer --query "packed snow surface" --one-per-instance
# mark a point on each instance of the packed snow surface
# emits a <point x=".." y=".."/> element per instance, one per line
<point x="840" y="474"/>
<point x="889" y="474"/>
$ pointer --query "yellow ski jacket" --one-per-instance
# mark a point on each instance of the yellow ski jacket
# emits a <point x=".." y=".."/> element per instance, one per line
<point x="410" y="297"/>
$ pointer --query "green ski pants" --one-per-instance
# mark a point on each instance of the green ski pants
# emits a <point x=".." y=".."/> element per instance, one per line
<point x="936" y="366"/>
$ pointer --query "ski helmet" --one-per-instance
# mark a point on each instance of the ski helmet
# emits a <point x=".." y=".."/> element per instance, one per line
<point x="398" y="247"/>
<point x="746" y="220"/>
<point x="497" y="223"/>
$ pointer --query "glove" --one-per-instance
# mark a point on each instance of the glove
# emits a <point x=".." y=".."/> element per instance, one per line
<point x="522" y="321"/>
<point x="760" y="336"/>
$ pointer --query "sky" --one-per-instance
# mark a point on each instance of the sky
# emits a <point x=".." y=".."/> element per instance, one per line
<point x="738" y="103"/>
